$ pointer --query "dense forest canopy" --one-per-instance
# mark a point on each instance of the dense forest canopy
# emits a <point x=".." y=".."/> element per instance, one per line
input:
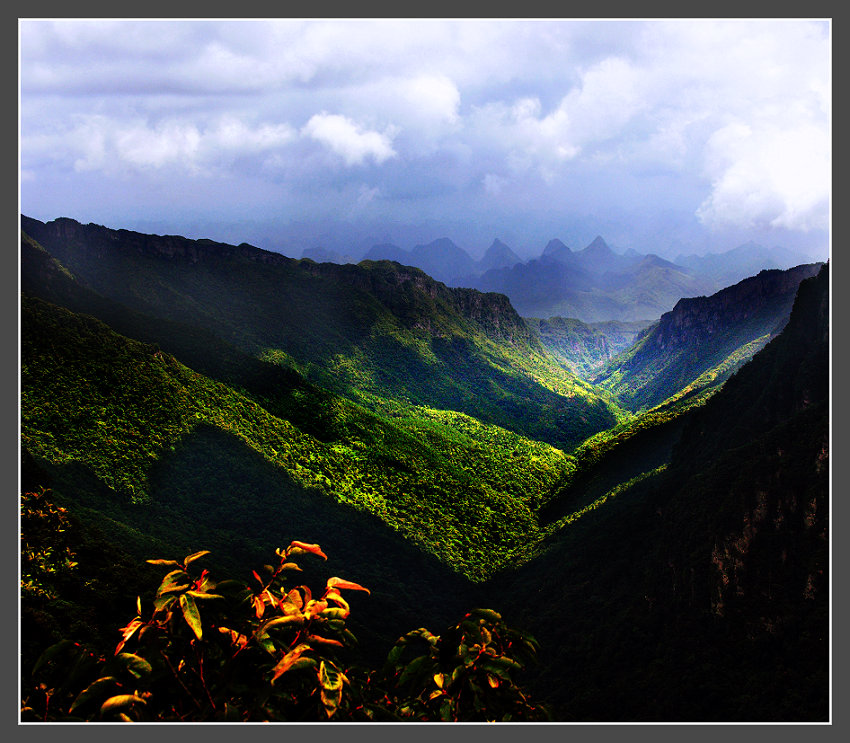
<point x="597" y="522"/>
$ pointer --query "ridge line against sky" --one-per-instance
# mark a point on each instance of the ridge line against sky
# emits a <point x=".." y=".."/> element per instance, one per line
<point x="664" y="136"/>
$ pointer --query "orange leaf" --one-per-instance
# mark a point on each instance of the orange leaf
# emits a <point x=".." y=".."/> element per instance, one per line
<point x="311" y="548"/>
<point x="332" y="594"/>
<point x="340" y="583"/>
<point x="259" y="606"/>
<point x="235" y="637"/>
<point x="286" y="662"/>
<point x="325" y="641"/>
<point x="127" y="633"/>
<point x="314" y="608"/>
<point x="295" y="597"/>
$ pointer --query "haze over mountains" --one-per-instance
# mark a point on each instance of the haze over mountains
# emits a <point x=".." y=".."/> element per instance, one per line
<point x="593" y="284"/>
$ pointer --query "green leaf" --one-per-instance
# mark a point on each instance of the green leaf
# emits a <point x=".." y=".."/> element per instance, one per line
<point x="93" y="690"/>
<point x="488" y="614"/>
<point x="172" y="589"/>
<point x="51" y="653"/>
<point x="172" y="579"/>
<point x="395" y="654"/>
<point x="331" y="681"/>
<point x="413" y="668"/>
<point x="173" y="563"/>
<point x="163" y="602"/>
<point x="135" y="664"/>
<point x="191" y="614"/>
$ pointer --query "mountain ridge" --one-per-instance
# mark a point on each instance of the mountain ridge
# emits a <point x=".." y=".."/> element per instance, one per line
<point x="700" y="332"/>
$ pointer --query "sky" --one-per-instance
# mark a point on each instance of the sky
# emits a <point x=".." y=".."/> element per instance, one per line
<point x="679" y="136"/>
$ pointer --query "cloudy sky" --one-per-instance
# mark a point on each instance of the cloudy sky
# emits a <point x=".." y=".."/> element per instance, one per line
<point x="676" y="136"/>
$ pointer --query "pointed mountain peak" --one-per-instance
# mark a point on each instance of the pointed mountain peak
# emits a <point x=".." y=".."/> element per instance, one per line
<point x="498" y="255"/>
<point x="598" y="246"/>
<point x="441" y="243"/>
<point x="499" y="248"/>
<point x="555" y="246"/>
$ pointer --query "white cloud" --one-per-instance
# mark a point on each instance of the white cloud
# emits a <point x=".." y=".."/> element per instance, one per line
<point x="344" y="137"/>
<point x="102" y="143"/>
<point x="770" y="176"/>
<point x="433" y="97"/>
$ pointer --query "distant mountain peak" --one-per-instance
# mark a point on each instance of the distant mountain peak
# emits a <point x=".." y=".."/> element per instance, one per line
<point x="440" y="242"/>
<point x="598" y="246"/>
<point x="555" y="246"/>
<point x="498" y="255"/>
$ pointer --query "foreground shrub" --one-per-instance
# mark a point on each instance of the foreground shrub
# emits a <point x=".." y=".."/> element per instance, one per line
<point x="207" y="650"/>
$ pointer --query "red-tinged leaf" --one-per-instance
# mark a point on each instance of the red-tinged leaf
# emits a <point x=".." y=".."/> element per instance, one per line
<point x="257" y="576"/>
<point x="139" y="605"/>
<point x="340" y="583"/>
<point x="493" y="681"/>
<point x="120" y="701"/>
<point x="172" y="563"/>
<point x="236" y="638"/>
<point x="202" y="595"/>
<point x="93" y="690"/>
<point x="314" y="608"/>
<point x="293" y="619"/>
<point x="332" y="594"/>
<point x="295" y="597"/>
<point x="324" y="641"/>
<point x="333" y="613"/>
<point x="191" y="614"/>
<point x="194" y="556"/>
<point x="288" y="660"/>
<point x="313" y="549"/>
<point x="259" y="606"/>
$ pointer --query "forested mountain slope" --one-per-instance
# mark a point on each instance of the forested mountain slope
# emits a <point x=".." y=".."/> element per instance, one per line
<point x="584" y="348"/>
<point x="702" y="592"/>
<point x="385" y="335"/>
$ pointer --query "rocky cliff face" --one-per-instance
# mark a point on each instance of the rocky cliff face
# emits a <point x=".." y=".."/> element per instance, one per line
<point x="710" y="336"/>
<point x="735" y="304"/>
